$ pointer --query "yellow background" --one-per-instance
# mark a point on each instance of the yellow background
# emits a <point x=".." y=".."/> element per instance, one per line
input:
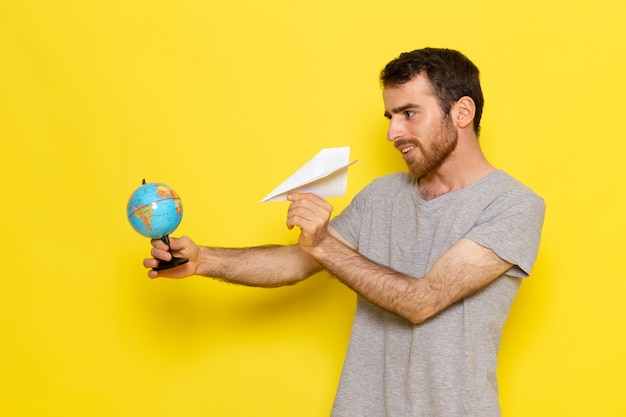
<point x="222" y="101"/>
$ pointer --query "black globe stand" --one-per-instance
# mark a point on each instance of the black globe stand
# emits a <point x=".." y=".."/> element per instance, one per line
<point x="174" y="262"/>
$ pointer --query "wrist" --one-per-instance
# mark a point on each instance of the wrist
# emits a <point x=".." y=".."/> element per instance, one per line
<point x="325" y="249"/>
<point x="203" y="261"/>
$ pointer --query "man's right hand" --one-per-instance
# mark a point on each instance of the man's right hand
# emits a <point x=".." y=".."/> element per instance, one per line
<point x="182" y="247"/>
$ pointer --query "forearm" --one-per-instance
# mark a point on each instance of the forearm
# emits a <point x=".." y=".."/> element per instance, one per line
<point x="263" y="266"/>
<point x="462" y="270"/>
<point x="388" y="289"/>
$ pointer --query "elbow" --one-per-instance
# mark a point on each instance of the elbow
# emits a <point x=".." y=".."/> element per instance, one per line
<point x="416" y="318"/>
<point x="420" y="315"/>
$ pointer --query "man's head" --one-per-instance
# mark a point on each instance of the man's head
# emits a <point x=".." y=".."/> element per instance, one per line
<point x="451" y="74"/>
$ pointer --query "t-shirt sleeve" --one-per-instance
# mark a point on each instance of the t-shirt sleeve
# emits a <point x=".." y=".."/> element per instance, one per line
<point x="511" y="227"/>
<point x="348" y="222"/>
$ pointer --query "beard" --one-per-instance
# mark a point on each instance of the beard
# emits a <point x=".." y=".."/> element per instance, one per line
<point x="438" y="148"/>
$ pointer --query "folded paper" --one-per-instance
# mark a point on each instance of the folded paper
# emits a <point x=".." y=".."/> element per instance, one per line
<point x="326" y="175"/>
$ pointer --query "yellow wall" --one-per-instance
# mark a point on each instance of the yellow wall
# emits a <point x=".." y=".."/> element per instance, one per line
<point x="223" y="100"/>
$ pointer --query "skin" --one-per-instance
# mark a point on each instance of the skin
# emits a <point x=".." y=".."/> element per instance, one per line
<point x="442" y="151"/>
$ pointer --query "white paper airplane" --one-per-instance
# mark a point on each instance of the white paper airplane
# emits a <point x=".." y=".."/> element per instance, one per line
<point x="325" y="175"/>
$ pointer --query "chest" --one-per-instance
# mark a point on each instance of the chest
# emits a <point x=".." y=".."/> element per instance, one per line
<point x="410" y="236"/>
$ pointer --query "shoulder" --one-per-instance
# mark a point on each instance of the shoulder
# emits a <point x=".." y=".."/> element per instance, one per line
<point x="504" y="197"/>
<point x="502" y="186"/>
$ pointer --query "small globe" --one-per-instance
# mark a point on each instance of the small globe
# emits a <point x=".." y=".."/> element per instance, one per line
<point x="154" y="210"/>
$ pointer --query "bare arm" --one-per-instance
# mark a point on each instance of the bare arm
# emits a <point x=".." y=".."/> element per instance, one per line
<point x="463" y="269"/>
<point x="263" y="266"/>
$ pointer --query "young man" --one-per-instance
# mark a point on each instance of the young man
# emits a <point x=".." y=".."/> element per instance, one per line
<point x="435" y="255"/>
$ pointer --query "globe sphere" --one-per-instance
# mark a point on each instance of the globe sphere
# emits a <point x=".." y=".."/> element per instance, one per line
<point x="154" y="210"/>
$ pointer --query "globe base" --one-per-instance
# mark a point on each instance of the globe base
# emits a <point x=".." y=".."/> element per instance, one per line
<point x="172" y="263"/>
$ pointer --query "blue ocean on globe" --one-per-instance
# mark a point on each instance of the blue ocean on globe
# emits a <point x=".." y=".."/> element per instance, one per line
<point x="154" y="210"/>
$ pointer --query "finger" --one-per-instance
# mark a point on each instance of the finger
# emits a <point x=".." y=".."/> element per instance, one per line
<point x="178" y="272"/>
<point x="308" y="211"/>
<point x="162" y="254"/>
<point x="179" y="243"/>
<point x="294" y="197"/>
<point x="310" y="201"/>
<point x="159" y="244"/>
<point x="315" y="204"/>
<point x="306" y="220"/>
<point x="299" y="221"/>
<point x="313" y="198"/>
<point x="298" y="214"/>
<point x="150" y="262"/>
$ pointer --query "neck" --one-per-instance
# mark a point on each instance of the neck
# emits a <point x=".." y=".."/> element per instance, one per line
<point x="466" y="165"/>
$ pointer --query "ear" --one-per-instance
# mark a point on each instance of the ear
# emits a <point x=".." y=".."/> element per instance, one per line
<point x="464" y="112"/>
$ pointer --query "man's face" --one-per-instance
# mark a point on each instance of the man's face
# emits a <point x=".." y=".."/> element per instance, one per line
<point x="417" y="126"/>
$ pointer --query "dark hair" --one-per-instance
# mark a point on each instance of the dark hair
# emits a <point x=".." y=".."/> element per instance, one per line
<point x="451" y="74"/>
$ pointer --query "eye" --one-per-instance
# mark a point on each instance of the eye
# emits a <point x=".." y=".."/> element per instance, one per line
<point x="408" y="114"/>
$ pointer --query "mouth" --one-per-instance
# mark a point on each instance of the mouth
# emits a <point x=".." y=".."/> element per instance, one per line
<point x="406" y="149"/>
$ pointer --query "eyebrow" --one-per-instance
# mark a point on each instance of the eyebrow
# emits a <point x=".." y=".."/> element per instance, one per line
<point x="401" y="109"/>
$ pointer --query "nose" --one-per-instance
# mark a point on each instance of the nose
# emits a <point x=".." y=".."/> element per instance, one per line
<point x="395" y="130"/>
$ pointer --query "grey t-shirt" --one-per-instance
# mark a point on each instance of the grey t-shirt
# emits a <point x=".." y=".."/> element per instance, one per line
<point x="445" y="366"/>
